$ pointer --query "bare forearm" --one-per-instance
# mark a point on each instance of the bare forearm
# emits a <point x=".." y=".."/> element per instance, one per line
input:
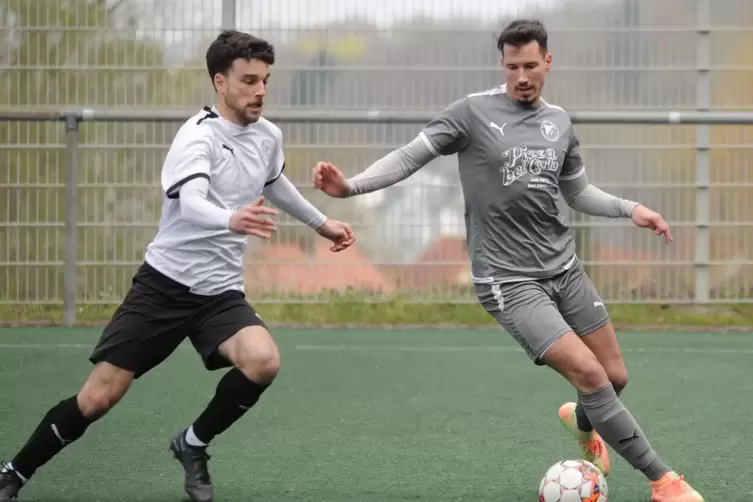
<point x="392" y="168"/>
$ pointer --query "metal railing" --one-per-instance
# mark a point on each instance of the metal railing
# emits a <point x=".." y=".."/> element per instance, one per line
<point x="73" y="118"/>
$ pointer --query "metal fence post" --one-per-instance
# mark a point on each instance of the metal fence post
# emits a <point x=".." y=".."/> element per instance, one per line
<point x="70" y="274"/>
<point x="228" y="15"/>
<point x="703" y="145"/>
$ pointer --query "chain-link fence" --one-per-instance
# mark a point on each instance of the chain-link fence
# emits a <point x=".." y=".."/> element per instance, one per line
<point x="386" y="68"/>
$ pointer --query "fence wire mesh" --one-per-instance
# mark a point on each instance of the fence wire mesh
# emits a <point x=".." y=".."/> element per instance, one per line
<point x="414" y="55"/>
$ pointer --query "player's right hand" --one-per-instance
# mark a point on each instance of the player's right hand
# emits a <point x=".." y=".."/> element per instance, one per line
<point x="330" y="180"/>
<point x="251" y="220"/>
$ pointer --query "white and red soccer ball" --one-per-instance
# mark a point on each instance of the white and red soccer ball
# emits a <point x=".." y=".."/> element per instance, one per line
<point x="573" y="481"/>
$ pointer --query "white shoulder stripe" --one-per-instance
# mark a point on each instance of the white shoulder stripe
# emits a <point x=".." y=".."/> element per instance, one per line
<point x="503" y="89"/>
<point x="428" y="144"/>
<point x="578" y="174"/>
<point x="489" y="92"/>
<point x="549" y="105"/>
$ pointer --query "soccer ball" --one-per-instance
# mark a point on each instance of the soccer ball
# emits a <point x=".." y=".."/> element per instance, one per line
<point x="573" y="481"/>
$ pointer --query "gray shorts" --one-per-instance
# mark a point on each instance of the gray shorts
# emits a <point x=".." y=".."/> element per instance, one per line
<point x="538" y="312"/>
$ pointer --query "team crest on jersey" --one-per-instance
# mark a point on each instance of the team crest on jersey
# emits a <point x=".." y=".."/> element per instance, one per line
<point x="549" y="131"/>
<point x="521" y="160"/>
<point x="266" y="149"/>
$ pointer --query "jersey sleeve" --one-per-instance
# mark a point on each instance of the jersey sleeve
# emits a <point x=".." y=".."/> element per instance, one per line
<point x="573" y="166"/>
<point x="189" y="158"/>
<point x="276" y="159"/>
<point x="448" y="133"/>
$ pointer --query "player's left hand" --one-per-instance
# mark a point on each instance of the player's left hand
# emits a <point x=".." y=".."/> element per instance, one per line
<point x="338" y="232"/>
<point x="646" y="218"/>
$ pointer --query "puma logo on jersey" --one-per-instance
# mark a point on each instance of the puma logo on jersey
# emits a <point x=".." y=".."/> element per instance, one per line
<point x="500" y="129"/>
<point x="598" y="304"/>
<point x="228" y="149"/>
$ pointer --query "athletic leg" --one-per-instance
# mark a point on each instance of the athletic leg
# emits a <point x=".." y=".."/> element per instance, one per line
<point x="528" y="312"/>
<point x="583" y="310"/>
<point x="256" y="361"/>
<point x="142" y="333"/>
<point x="570" y="357"/>
<point x="230" y="334"/>
<point x="65" y="423"/>
<point x="603" y="343"/>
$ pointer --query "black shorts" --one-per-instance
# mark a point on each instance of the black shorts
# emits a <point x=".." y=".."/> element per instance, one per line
<point x="158" y="313"/>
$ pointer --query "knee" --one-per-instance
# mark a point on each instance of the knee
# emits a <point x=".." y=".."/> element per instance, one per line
<point x="95" y="404"/>
<point x="589" y="376"/>
<point x="254" y="353"/>
<point x="103" y="389"/>
<point x="260" y="365"/>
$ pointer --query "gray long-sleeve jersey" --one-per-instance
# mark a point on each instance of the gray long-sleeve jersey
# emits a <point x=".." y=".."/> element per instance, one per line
<point x="514" y="161"/>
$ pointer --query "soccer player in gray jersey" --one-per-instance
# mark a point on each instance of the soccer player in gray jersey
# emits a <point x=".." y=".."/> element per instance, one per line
<point x="516" y="155"/>
<point x="221" y="165"/>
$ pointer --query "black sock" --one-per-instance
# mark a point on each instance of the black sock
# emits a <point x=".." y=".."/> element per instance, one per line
<point x="235" y="395"/>
<point x="581" y="419"/>
<point x="61" y="426"/>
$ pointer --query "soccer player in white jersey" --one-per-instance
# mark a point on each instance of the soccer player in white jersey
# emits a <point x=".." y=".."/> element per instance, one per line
<point x="517" y="154"/>
<point x="222" y="161"/>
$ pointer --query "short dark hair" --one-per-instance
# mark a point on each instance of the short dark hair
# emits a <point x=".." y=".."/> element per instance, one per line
<point x="521" y="32"/>
<point x="231" y="45"/>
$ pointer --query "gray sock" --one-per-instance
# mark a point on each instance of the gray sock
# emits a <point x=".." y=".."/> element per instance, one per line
<point x="582" y="420"/>
<point x="618" y="428"/>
